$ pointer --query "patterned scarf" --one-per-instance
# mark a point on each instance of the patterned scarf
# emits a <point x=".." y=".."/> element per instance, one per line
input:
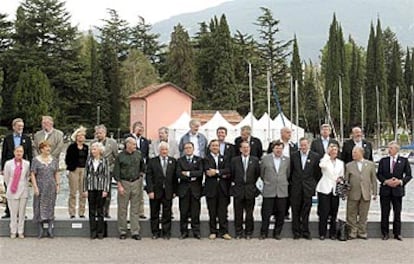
<point x="17" y="173"/>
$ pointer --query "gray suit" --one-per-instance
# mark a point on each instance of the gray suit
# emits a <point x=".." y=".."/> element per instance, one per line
<point x="55" y="139"/>
<point x="275" y="193"/>
<point x="363" y="185"/>
<point x="275" y="183"/>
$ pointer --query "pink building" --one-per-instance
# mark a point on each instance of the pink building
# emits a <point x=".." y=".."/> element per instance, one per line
<point x="159" y="105"/>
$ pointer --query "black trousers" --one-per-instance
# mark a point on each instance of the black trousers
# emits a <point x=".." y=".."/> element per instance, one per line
<point x="301" y="207"/>
<point x="155" y="206"/>
<point x="189" y="206"/>
<point x="278" y="206"/>
<point x="327" y="206"/>
<point x="217" y="208"/>
<point x="107" y="203"/>
<point x="96" y="213"/>
<point x="386" y="202"/>
<point x="241" y="206"/>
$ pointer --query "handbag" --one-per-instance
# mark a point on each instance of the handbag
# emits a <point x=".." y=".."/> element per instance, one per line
<point x="342" y="230"/>
<point x="342" y="188"/>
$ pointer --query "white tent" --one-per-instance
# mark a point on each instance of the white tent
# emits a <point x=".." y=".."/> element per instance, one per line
<point x="247" y="121"/>
<point x="209" y="128"/>
<point x="180" y="126"/>
<point x="261" y="129"/>
<point x="297" y="131"/>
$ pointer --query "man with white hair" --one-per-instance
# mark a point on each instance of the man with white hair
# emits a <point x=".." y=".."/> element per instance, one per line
<point x="394" y="172"/>
<point x="128" y="172"/>
<point x="198" y="139"/>
<point x="161" y="188"/>
<point x="356" y="140"/>
<point x="52" y="135"/>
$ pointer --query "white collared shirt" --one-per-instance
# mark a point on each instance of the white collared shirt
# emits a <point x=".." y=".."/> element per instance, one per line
<point x="359" y="164"/>
<point x="304" y="157"/>
<point x="215" y="159"/>
<point x="245" y="161"/>
<point x="325" y="143"/>
<point x="286" y="149"/>
<point x="276" y="161"/>
<point x="194" y="140"/>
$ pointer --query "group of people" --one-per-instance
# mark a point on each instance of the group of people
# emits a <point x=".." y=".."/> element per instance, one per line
<point x="192" y="168"/>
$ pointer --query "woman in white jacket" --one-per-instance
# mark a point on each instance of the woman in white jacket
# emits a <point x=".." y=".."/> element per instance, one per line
<point x="16" y="176"/>
<point x="328" y="202"/>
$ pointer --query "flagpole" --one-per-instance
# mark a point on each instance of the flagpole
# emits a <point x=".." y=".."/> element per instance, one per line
<point x="396" y="112"/>
<point x="296" y="109"/>
<point x="341" y="120"/>
<point x="251" y="93"/>
<point x="268" y="104"/>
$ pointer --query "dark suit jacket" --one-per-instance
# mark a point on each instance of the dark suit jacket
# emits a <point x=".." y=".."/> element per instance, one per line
<point x="241" y="188"/>
<point x="8" y="149"/>
<point x="402" y="171"/>
<point x="72" y="155"/>
<point x="195" y="180"/>
<point x="157" y="182"/>
<point x="144" y="146"/>
<point x="256" y="147"/>
<point x="317" y="146"/>
<point x="305" y="180"/>
<point x="222" y="179"/>
<point x="346" y="155"/>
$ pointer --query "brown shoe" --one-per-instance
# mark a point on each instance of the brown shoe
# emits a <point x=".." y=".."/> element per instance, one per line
<point x="226" y="237"/>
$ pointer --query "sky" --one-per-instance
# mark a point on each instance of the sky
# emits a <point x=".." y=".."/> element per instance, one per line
<point x="89" y="13"/>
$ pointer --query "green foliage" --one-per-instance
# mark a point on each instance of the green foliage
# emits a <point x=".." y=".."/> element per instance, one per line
<point x="33" y="97"/>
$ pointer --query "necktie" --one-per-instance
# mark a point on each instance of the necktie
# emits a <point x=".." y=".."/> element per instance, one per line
<point x="245" y="168"/>
<point x="164" y="166"/>
<point x="393" y="165"/>
<point x="189" y="160"/>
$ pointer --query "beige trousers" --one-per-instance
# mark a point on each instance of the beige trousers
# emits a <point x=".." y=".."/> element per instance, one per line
<point x="357" y="216"/>
<point x="76" y="186"/>
<point x="131" y="197"/>
<point x="17" y="209"/>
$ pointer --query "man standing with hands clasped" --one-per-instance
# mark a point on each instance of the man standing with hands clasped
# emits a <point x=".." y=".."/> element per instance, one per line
<point x="394" y="173"/>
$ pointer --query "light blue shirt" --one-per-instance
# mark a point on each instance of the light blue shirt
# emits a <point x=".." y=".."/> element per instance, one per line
<point x="17" y="139"/>
<point x="325" y="142"/>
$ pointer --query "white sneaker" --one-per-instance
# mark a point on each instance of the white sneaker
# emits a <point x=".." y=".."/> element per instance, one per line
<point x="212" y="236"/>
<point x="21" y="236"/>
<point x="12" y="235"/>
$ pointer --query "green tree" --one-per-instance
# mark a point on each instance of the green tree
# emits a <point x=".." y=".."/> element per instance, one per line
<point x="381" y="75"/>
<point x="274" y="53"/>
<point x="311" y="105"/>
<point x="5" y="42"/>
<point x="297" y="76"/>
<point x="356" y="76"/>
<point x="181" y="62"/>
<point x="114" y="38"/>
<point x="33" y="97"/>
<point x="395" y="79"/>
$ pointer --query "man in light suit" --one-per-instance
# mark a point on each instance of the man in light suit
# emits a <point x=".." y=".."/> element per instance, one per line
<point x="275" y="171"/>
<point x="361" y="175"/>
<point x="304" y="177"/>
<point x="320" y="145"/>
<point x="198" y="139"/>
<point x="245" y="170"/>
<point x="9" y="144"/>
<point x="163" y="133"/>
<point x="162" y="188"/>
<point x="52" y="135"/>
<point x="356" y="140"/>
<point x="394" y="172"/>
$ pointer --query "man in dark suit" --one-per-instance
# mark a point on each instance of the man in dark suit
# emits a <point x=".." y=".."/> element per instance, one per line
<point x="226" y="149"/>
<point x="190" y="172"/>
<point x="217" y="184"/>
<point x="320" y="145"/>
<point x="245" y="170"/>
<point x="143" y="147"/>
<point x="10" y="143"/>
<point x="305" y="174"/>
<point x="256" y="148"/>
<point x="161" y="187"/>
<point x="357" y="139"/>
<point x="394" y="172"/>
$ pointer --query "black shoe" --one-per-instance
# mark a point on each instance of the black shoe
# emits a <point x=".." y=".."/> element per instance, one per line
<point x="238" y="237"/>
<point x="155" y="236"/>
<point x="296" y="237"/>
<point x="6" y="216"/>
<point x="322" y="238"/>
<point x="262" y="237"/>
<point x="136" y="237"/>
<point x="183" y="236"/>
<point x="93" y="235"/>
<point x="107" y="216"/>
<point x="307" y="237"/>
<point x="248" y="237"/>
<point x="277" y="237"/>
<point x="398" y="237"/>
<point x="167" y="237"/>
<point x="81" y="216"/>
<point x="332" y="237"/>
<point x="385" y="237"/>
<point x="197" y="236"/>
<point x="142" y="217"/>
<point x="100" y="236"/>
<point x="122" y="236"/>
<point x="72" y="217"/>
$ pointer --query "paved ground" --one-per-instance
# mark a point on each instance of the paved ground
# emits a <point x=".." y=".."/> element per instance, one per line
<point x="112" y="250"/>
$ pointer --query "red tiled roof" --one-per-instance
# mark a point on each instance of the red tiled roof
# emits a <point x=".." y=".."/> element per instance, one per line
<point x="232" y="116"/>
<point x="147" y="91"/>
